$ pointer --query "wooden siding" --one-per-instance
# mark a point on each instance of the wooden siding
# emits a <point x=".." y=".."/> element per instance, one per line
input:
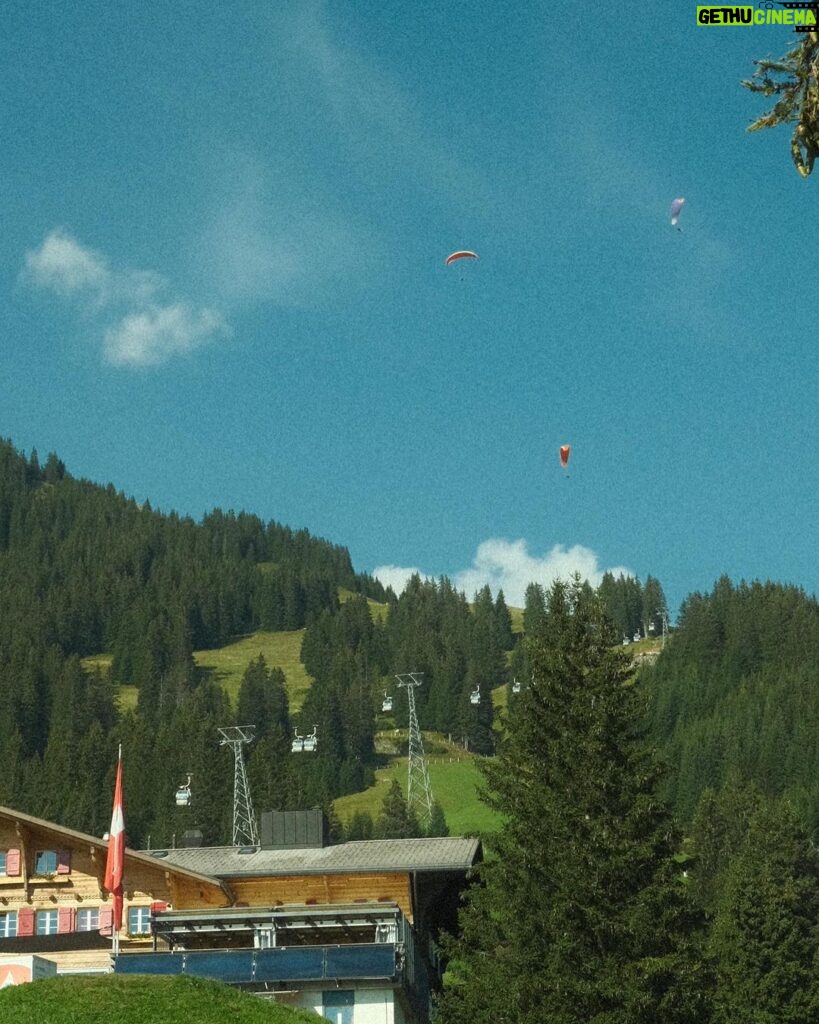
<point x="81" y="885"/>
<point x="322" y="889"/>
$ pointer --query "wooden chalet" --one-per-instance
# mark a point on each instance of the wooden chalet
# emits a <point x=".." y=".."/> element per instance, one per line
<point x="52" y="899"/>
<point x="348" y="931"/>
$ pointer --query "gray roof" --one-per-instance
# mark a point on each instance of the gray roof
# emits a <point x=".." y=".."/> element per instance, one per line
<point x="373" y="855"/>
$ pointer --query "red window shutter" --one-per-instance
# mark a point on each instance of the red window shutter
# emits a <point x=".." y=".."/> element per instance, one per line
<point x="13" y="862"/>
<point x="106" y="920"/>
<point x="63" y="862"/>
<point x="25" y="921"/>
<point x="158" y="906"/>
<point x="65" y="920"/>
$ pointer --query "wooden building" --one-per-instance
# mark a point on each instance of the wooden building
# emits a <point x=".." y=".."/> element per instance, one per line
<point x="348" y="930"/>
<point x="52" y="899"/>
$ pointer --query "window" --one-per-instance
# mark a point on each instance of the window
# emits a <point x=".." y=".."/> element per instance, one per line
<point x="337" y="1005"/>
<point x="8" y="925"/>
<point x="88" y="919"/>
<point x="45" y="862"/>
<point x="50" y="862"/>
<point x="2" y="862"/>
<point x="47" y="922"/>
<point x="139" y="920"/>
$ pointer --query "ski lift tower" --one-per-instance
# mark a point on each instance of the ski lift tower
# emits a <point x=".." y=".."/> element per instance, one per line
<point x="245" y="831"/>
<point x="418" y="789"/>
<point x="664" y="615"/>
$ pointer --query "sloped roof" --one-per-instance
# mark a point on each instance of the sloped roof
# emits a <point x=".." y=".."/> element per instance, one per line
<point x="373" y="855"/>
<point x="70" y="837"/>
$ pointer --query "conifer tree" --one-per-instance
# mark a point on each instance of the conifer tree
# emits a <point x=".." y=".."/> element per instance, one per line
<point x="359" y="827"/>
<point x="765" y="938"/>
<point x="584" y="915"/>
<point x="792" y="79"/>
<point x="397" y="821"/>
<point x="437" y="822"/>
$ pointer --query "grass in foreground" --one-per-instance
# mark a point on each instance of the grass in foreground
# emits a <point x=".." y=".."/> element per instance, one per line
<point x="113" y="999"/>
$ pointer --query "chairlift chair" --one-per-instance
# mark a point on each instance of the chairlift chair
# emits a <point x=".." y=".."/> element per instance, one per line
<point x="475" y="696"/>
<point x="311" y="741"/>
<point x="386" y="704"/>
<point x="297" y="745"/>
<point x="515" y="686"/>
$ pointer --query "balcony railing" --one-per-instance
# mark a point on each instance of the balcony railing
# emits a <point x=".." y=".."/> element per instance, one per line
<point x="364" y="962"/>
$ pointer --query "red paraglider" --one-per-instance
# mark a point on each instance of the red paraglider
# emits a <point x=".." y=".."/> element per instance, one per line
<point x="461" y="254"/>
<point x="565" y="451"/>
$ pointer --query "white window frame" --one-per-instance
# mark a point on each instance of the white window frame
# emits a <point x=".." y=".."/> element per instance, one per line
<point x="8" y="924"/>
<point x="88" y="919"/>
<point x="139" y="920"/>
<point x="47" y="922"/>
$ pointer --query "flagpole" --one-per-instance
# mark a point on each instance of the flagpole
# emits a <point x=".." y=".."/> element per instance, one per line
<point x="115" y="861"/>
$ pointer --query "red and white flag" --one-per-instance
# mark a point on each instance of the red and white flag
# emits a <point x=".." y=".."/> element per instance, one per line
<point x="115" y="863"/>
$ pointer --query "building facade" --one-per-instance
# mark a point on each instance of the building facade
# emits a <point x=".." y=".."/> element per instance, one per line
<point x="348" y="931"/>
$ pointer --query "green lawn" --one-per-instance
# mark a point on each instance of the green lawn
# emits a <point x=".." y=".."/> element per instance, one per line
<point x="226" y="665"/>
<point x="118" y="999"/>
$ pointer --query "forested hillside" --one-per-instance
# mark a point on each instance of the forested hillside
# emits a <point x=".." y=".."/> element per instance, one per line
<point x="736" y="694"/>
<point x="85" y="570"/>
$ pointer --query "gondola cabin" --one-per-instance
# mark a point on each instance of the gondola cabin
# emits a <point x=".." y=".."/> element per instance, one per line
<point x="475" y="696"/>
<point x="386" y="703"/>
<point x="183" y="794"/>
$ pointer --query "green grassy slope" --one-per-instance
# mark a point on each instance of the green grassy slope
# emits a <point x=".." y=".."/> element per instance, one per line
<point x="454" y="779"/>
<point x="112" y="999"/>
<point x="281" y="650"/>
<point x="226" y="665"/>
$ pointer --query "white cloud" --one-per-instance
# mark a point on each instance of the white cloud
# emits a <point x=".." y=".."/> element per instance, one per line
<point x="62" y="265"/>
<point x="507" y="565"/>
<point x="395" y="576"/>
<point x="152" y="335"/>
<point x="137" y="325"/>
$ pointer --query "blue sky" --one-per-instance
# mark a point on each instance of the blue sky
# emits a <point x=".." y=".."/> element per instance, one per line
<point x="223" y="281"/>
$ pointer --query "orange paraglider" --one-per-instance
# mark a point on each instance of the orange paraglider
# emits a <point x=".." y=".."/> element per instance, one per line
<point x="461" y="254"/>
<point x="565" y="452"/>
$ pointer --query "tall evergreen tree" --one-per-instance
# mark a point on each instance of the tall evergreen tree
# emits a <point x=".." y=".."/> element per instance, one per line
<point x="583" y="915"/>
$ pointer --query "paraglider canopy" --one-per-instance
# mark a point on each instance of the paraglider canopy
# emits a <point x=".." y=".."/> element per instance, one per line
<point x="461" y="254"/>
<point x="565" y="451"/>
<point x="676" y="207"/>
